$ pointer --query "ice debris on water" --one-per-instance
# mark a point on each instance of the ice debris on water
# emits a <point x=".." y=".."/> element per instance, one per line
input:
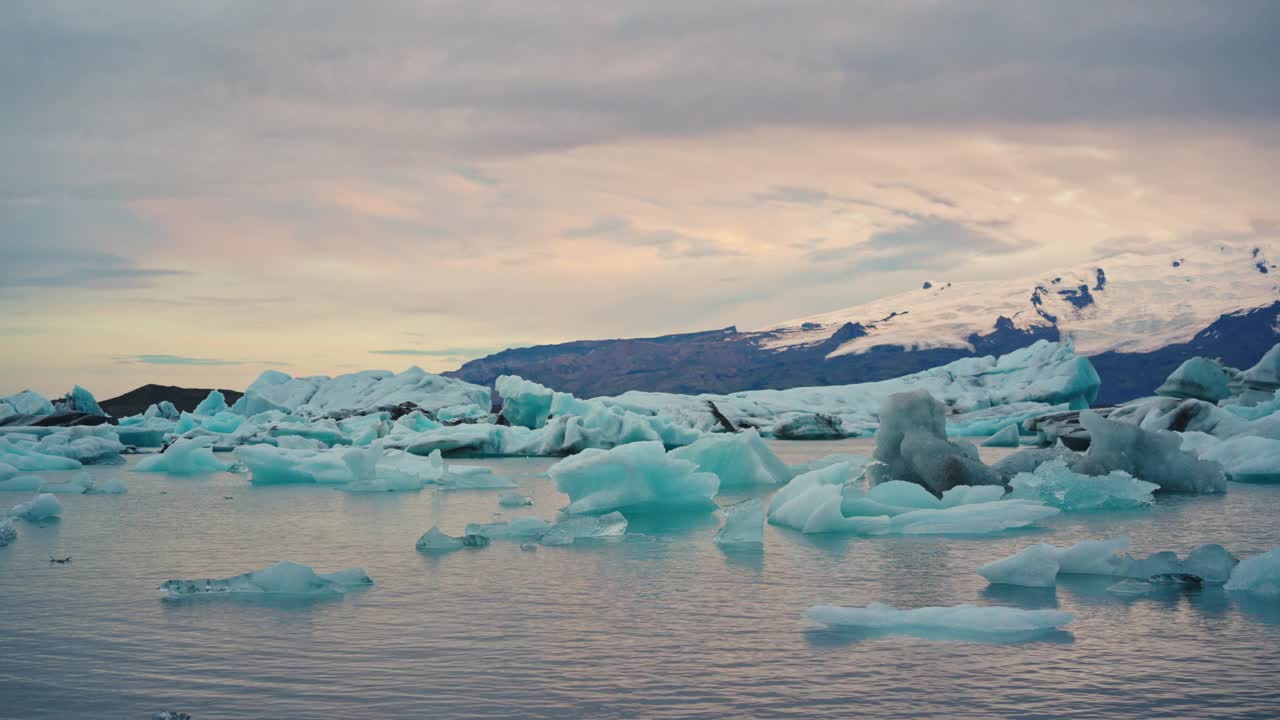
<point x="739" y="459"/>
<point x="639" y="476"/>
<point x="954" y="622"/>
<point x="7" y="532"/>
<point x="1039" y="565"/>
<point x="1259" y="574"/>
<point x="42" y="507"/>
<point x="283" y="578"/>
<point x="187" y="456"/>
<point x="743" y="524"/>
<point x="1054" y="484"/>
<point x="514" y="499"/>
<point x="570" y="530"/>
<point x="522" y="527"/>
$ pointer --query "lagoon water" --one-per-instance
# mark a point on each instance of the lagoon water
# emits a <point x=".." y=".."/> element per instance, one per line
<point x="663" y="624"/>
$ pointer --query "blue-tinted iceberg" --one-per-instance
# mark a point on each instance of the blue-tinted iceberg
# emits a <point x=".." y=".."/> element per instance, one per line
<point x="1008" y="437"/>
<point x="434" y="540"/>
<point x="957" y="622"/>
<point x="359" y="393"/>
<point x="1033" y="566"/>
<point x="637" y="477"/>
<point x="519" y="528"/>
<point x="1259" y="575"/>
<point x="912" y="446"/>
<point x="87" y="444"/>
<point x="743" y="524"/>
<point x="1053" y="483"/>
<point x="26" y="404"/>
<point x="1246" y="459"/>
<point x="570" y="530"/>
<point x="42" y="507"/>
<point x="1199" y="378"/>
<point x="524" y="403"/>
<point x="24" y="454"/>
<point x="739" y="459"/>
<point x="213" y="404"/>
<point x="283" y="578"/>
<point x="187" y="456"/>
<point x="1039" y="565"/>
<point x="23" y="483"/>
<point x="514" y="499"/>
<point x="80" y="400"/>
<point x="1153" y="456"/>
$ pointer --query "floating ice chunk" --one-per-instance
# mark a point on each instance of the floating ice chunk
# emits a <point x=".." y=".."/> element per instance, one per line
<point x="828" y="518"/>
<point x="912" y="446"/>
<point x="7" y="532"/>
<point x="270" y="465"/>
<point x="834" y="474"/>
<point x="524" y="403"/>
<point x="1093" y="557"/>
<point x="87" y="444"/>
<point x="992" y="420"/>
<point x="1247" y="459"/>
<point x="401" y="471"/>
<point x="1259" y="383"/>
<point x="146" y="431"/>
<point x="1131" y="588"/>
<point x="977" y="519"/>
<point x="434" y="540"/>
<point x="1028" y="459"/>
<point x="163" y="409"/>
<point x="1054" y="484"/>
<point x="568" y="531"/>
<point x="82" y="401"/>
<point x="1189" y="415"/>
<point x="956" y="622"/>
<point x="743" y="524"/>
<point x="24" y="483"/>
<point x="1032" y="566"/>
<point x="972" y="495"/>
<point x="1212" y="563"/>
<point x="857" y="463"/>
<point x="1259" y="574"/>
<point x="42" y="507"/>
<point x="283" y="578"/>
<point x="25" y="404"/>
<point x="473" y="477"/>
<point x="739" y="459"/>
<point x="513" y="499"/>
<point x="809" y="426"/>
<point x="77" y="484"/>
<point x="1199" y="378"/>
<point x="213" y="404"/>
<point x="1008" y="437"/>
<point x="113" y="486"/>
<point x="26" y="456"/>
<point x="186" y="456"/>
<point x="639" y="476"/>
<point x="1152" y="456"/>
<point x="523" y="527"/>
<point x="7" y="471"/>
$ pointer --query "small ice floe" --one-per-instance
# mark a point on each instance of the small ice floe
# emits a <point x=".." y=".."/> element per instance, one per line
<point x="283" y="578"/>
<point x="958" y="622"/>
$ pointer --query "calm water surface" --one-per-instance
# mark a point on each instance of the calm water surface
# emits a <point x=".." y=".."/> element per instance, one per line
<point x="662" y="625"/>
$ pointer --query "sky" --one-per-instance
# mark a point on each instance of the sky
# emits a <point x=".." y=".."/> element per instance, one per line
<point x="191" y="193"/>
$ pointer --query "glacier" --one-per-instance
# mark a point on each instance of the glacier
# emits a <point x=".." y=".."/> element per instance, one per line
<point x="954" y="622"/>
<point x="283" y="578"/>
<point x="634" y="477"/>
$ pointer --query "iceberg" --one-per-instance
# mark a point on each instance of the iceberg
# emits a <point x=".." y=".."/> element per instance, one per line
<point x="912" y="446"/>
<point x="87" y="444"/>
<point x="24" y="483"/>
<point x="1200" y="379"/>
<point x="638" y="476"/>
<point x="434" y="540"/>
<point x="512" y="499"/>
<point x="42" y="507"/>
<point x="568" y="531"/>
<point x="7" y="532"/>
<point x="1008" y="437"/>
<point x="186" y="456"/>
<point x="25" y="455"/>
<point x="26" y="404"/>
<point x="269" y="465"/>
<point x="140" y="431"/>
<point x="519" y="528"/>
<point x="1259" y="383"/>
<point x="976" y="519"/>
<point x="78" y="484"/>
<point x="1039" y="565"/>
<point x="1054" y="484"/>
<point x="1155" y="457"/>
<point x="739" y="460"/>
<point x="1259" y="574"/>
<point x="743" y="524"/>
<point x="213" y="404"/>
<point x="113" y="486"/>
<point x="1246" y="459"/>
<point x="524" y="403"/>
<point x="956" y="622"/>
<point x="359" y="393"/>
<point x="80" y="400"/>
<point x="1180" y="415"/>
<point x="468" y="477"/>
<point x="283" y="578"/>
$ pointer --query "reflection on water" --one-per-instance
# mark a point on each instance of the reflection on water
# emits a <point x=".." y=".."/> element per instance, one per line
<point x="663" y="624"/>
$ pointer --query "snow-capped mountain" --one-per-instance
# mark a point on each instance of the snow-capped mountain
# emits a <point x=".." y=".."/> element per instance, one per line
<point x="1137" y="315"/>
<point x="1132" y="303"/>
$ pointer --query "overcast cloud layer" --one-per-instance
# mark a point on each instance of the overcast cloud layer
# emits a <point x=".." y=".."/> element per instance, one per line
<point x="193" y="192"/>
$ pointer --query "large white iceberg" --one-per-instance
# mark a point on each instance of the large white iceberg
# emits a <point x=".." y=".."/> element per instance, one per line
<point x="283" y="578"/>
<point x="87" y="444"/>
<point x="1055" y="484"/>
<point x="956" y="622"/>
<point x="1259" y="574"/>
<point x="187" y="456"/>
<point x="359" y="393"/>
<point x="636" y="477"/>
<point x="739" y="460"/>
<point x="42" y="507"/>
